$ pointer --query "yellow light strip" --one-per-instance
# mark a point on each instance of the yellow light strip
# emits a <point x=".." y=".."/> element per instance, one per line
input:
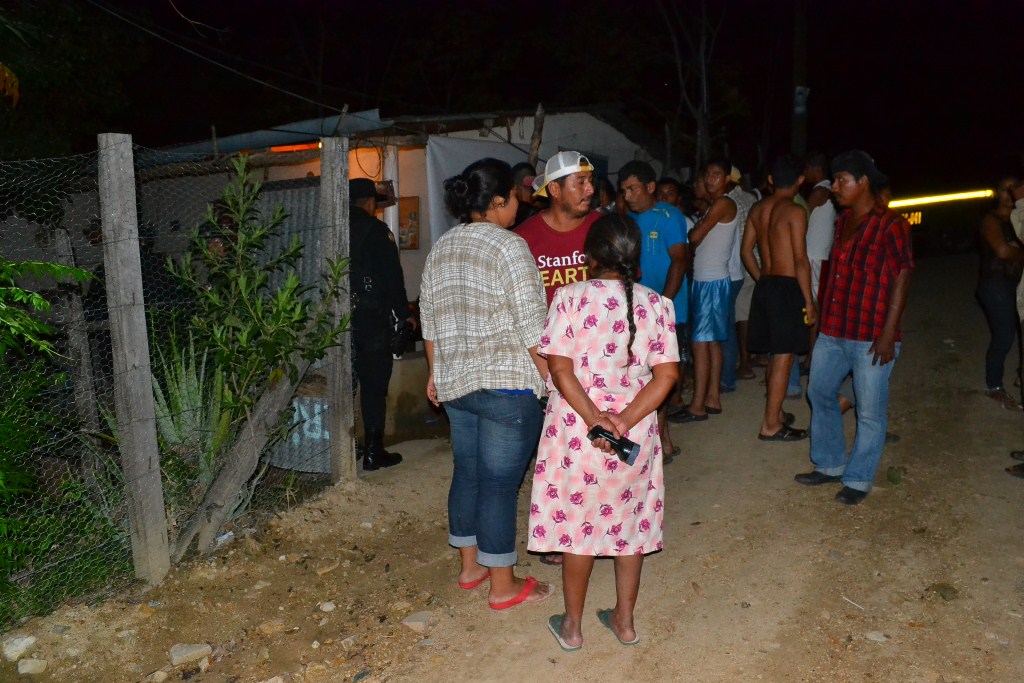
<point x="956" y="196"/>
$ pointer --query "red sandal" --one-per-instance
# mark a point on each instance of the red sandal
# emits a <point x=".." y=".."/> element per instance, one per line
<point x="531" y="583"/>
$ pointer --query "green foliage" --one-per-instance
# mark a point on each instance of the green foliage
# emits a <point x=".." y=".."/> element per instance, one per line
<point x="192" y="424"/>
<point x="59" y="542"/>
<point x="253" y="312"/>
<point x="62" y="544"/>
<point x="19" y="328"/>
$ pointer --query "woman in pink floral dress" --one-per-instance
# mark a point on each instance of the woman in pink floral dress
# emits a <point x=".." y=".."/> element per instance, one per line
<point x="613" y="358"/>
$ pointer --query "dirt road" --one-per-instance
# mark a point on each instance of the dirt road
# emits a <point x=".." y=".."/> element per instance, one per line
<point x="761" y="579"/>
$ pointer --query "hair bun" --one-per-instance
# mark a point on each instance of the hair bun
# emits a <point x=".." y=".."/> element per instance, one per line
<point x="458" y="186"/>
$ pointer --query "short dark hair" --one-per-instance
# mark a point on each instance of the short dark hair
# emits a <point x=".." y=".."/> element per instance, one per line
<point x="522" y="170"/>
<point x="474" y="189"/>
<point x="641" y="170"/>
<point x="668" y="180"/>
<point x="720" y="162"/>
<point x="819" y="160"/>
<point x="786" y="170"/>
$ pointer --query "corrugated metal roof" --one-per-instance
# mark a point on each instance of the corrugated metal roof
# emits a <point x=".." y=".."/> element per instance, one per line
<point x="290" y="133"/>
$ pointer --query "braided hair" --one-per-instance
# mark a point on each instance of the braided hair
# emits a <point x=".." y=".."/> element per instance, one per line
<point x="613" y="244"/>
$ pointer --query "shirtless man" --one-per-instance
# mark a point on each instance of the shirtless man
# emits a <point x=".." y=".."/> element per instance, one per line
<point x="783" y="305"/>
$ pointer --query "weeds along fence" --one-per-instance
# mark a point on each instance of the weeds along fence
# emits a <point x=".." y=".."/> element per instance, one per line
<point x="140" y="440"/>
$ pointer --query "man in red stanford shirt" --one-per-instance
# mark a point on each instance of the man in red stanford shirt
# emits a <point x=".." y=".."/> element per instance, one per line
<point x="862" y="302"/>
<point x="555" y="235"/>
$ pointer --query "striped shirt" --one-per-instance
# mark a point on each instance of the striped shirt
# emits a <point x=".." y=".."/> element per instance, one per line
<point x="862" y="273"/>
<point x="482" y="304"/>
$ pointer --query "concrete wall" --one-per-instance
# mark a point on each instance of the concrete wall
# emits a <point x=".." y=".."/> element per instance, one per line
<point x="604" y="145"/>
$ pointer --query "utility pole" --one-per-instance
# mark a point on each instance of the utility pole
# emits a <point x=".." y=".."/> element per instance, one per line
<point x="798" y="143"/>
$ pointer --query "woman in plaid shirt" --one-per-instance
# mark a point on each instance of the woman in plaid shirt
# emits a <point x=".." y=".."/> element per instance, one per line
<point x="482" y="308"/>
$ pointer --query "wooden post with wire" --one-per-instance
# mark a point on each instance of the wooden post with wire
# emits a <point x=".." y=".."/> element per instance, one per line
<point x="334" y="214"/>
<point x="133" y="377"/>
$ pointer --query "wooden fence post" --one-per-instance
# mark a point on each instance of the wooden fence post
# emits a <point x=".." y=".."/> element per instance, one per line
<point x="133" y="379"/>
<point x="334" y="216"/>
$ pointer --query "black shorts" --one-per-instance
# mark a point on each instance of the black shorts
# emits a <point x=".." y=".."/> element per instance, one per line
<point x="777" y="317"/>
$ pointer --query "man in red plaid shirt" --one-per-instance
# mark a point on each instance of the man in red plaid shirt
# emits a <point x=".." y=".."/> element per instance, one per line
<point x="861" y="306"/>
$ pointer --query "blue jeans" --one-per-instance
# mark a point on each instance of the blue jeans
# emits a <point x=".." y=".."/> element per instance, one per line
<point x="998" y="298"/>
<point x="834" y="358"/>
<point x="731" y="345"/>
<point x="493" y="437"/>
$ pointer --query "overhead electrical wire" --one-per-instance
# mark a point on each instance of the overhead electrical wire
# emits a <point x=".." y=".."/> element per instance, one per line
<point x="264" y="83"/>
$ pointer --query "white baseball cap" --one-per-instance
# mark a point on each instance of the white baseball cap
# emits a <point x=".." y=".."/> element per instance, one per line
<point x="559" y="166"/>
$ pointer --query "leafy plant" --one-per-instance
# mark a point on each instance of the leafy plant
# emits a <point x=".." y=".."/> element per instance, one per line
<point x="192" y="423"/>
<point x="255" y="330"/>
<point x="262" y="326"/>
<point x="19" y="327"/>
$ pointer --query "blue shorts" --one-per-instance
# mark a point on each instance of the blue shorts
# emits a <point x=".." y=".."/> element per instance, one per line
<point x="709" y="310"/>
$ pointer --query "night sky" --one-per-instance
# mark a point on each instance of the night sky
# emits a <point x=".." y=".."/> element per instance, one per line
<point x="933" y="90"/>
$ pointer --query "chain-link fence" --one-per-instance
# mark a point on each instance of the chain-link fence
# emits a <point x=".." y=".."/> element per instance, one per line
<point x="231" y="281"/>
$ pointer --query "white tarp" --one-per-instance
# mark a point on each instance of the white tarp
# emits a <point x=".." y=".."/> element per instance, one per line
<point x="447" y="157"/>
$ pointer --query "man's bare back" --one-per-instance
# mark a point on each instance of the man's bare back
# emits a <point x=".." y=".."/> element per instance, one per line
<point x="780" y="231"/>
<point x="787" y="234"/>
<point x="756" y="232"/>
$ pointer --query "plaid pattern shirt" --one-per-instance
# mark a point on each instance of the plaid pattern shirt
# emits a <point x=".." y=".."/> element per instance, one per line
<point x="862" y="273"/>
<point x="482" y="304"/>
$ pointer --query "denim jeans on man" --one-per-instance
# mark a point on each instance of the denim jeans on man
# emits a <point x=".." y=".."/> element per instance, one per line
<point x="998" y="298"/>
<point x="493" y="437"/>
<point x="833" y="359"/>
<point x="731" y="346"/>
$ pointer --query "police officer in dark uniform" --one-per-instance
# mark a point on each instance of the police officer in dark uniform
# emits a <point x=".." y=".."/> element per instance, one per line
<point x="378" y="301"/>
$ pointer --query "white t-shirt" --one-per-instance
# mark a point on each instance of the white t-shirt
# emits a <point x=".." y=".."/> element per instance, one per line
<point x="821" y="228"/>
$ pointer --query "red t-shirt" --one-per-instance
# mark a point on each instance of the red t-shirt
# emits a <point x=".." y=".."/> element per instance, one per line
<point x="559" y="255"/>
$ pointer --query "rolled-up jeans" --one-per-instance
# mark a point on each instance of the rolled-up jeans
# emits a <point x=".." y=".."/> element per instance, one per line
<point x="493" y="437"/>
<point x="833" y="359"/>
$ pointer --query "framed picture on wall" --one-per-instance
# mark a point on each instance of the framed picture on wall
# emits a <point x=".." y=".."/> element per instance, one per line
<point x="408" y="222"/>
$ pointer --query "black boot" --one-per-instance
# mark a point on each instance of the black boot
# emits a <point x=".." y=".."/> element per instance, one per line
<point x="376" y="457"/>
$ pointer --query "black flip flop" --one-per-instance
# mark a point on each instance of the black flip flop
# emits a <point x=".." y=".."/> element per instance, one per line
<point x="685" y="417"/>
<point x="713" y="411"/>
<point x="551" y="559"/>
<point x="785" y="433"/>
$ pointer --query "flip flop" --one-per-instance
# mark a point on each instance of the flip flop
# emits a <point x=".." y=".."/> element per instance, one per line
<point x="713" y="411"/>
<point x="555" y="625"/>
<point x="531" y="583"/>
<point x="677" y="410"/>
<point x="686" y="416"/>
<point x="605" y="617"/>
<point x="785" y="433"/>
<point x="473" y="584"/>
<point x="669" y="456"/>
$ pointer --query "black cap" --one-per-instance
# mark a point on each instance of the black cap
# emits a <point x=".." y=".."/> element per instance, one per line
<point x="859" y="164"/>
<point x="364" y="188"/>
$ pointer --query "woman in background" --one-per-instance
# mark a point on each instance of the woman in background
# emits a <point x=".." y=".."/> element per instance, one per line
<point x="1002" y="261"/>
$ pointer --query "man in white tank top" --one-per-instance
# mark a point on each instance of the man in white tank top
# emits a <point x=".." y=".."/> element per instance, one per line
<point x="711" y="295"/>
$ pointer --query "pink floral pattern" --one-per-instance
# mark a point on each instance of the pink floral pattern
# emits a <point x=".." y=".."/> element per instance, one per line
<point x="585" y="501"/>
